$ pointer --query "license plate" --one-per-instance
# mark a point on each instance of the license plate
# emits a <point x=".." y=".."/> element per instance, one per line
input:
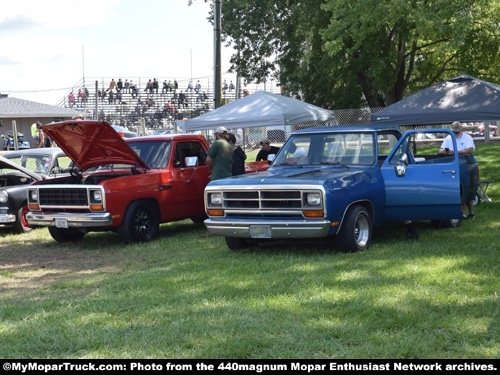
<point x="61" y="223"/>
<point x="260" y="231"/>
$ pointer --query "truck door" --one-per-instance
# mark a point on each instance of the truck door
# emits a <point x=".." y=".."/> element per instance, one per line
<point x="419" y="184"/>
<point x="189" y="181"/>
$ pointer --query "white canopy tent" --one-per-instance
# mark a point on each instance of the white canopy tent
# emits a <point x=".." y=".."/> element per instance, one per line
<point x="261" y="109"/>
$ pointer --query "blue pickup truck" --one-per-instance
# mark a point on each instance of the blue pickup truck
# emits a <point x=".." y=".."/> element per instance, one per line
<point x="342" y="182"/>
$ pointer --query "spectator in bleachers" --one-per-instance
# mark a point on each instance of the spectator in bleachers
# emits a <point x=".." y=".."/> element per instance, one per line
<point x="86" y="94"/>
<point x="197" y="88"/>
<point x="231" y="86"/>
<point x="165" y="88"/>
<point x="176" y="85"/>
<point x="224" y="86"/>
<point x="119" y="85"/>
<point x="182" y="98"/>
<point x="81" y="94"/>
<point x="112" y="84"/>
<point x="71" y="99"/>
<point x="111" y="97"/>
<point x="126" y="86"/>
<point x="119" y="96"/>
<point x="149" y="87"/>
<point x="170" y="86"/>
<point x="134" y="90"/>
<point x="155" y="86"/>
<point x="190" y="86"/>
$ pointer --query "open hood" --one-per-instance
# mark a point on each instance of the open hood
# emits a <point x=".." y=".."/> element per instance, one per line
<point x="92" y="143"/>
<point x="8" y="164"/>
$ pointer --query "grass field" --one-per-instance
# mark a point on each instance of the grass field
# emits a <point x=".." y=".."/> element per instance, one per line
<point x="181" y="296"/>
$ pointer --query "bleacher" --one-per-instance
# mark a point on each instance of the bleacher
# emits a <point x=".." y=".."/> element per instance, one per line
<point x="160" y="108"/>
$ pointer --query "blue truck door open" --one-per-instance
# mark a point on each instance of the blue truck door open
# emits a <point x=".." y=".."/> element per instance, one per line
<point x="427" y="186"/>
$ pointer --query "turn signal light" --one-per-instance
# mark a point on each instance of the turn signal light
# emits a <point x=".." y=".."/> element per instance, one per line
<point x="313" y="213"/>
<point x="33" y="207"/>
<point x="215" y="212"/>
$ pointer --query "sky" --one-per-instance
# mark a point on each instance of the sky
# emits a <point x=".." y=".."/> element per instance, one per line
<point x="48" y="46"/>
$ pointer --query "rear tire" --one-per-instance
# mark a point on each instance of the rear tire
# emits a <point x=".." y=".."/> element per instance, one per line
<point x="140" y="224"/>
<point x="66" y="235"/>
<point x="21" y="225"/>
<point x="355" y="234"/>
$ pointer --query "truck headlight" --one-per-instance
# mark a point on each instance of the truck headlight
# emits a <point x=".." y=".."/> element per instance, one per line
<point x="216" y="199"/>
<point x="96" y="196"/>
<point x="4" y="196"/>
<point x="33" y="195"/>
<point x="313" y="199"/>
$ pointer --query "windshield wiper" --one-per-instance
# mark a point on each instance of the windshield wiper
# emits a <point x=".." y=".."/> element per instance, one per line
<point x="292" y="164"/>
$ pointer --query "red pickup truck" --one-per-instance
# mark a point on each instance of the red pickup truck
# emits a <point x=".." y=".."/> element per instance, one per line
<point x="129" y="186"/>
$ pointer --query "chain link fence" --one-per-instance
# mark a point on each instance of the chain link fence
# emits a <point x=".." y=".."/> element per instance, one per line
<point x="249" y="138"/>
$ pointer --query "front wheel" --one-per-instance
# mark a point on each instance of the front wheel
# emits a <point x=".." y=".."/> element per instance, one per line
<point x="355" y="234"/>
<point x="66" y="234"/>
<point x="141" y="223"/>
<point x="235" y="243"/>
<point x="21" y="225"/>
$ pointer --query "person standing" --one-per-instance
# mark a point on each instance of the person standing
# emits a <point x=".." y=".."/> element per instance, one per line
<point x="220" y="155"/>
<point x="266" y="149"/>
<point x="239" y="156"/>
<point x="219" y="159"/>
<point x="465" y="146"/>
<point x="41" y="135"/>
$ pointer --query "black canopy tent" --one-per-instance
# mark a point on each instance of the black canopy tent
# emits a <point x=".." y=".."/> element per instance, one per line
<point x="463" y="98"/>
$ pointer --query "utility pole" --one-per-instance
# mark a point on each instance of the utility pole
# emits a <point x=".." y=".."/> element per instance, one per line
<point x="217" y="54"/>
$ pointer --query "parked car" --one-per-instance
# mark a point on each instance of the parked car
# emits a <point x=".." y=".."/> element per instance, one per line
<point x="20" y="168"/>
<point x="163" y="131"/>
<point x="341" y="182"/>
<point x="8" y="142"/>
<point x="124" y="132"/>
<point x="138" y="184"/>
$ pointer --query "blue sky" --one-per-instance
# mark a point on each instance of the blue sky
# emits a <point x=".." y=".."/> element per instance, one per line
<point x="47" y="46"/>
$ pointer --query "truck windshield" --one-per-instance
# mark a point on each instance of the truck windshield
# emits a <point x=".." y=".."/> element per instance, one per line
<point x="156" y="154"/>
<point x="338" y="148"/>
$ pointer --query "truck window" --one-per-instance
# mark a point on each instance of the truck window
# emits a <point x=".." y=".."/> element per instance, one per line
<point x="155" y="153"/>
<point x="188" y="149"/>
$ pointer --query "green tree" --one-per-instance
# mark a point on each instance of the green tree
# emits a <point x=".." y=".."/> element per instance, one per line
<point x="363" y="52"/>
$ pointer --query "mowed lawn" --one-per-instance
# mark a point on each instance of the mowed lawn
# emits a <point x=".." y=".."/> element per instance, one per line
<point x="181" y="296"/>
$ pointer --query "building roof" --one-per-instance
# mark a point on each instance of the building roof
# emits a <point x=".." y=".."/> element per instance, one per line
<point x="13" y="107"/>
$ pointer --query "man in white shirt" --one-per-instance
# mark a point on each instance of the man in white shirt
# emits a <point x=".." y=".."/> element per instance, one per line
<point x="465" y="143"/>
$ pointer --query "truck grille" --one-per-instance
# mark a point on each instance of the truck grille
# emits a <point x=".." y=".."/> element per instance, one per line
<point x="263" y="199"/>
<point x="63" y="197"/>
<point x="272" y="203"/>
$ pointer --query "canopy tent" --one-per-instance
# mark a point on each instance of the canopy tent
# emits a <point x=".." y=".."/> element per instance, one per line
<point x="463" y="98"/>
<point x="261" y="109"/>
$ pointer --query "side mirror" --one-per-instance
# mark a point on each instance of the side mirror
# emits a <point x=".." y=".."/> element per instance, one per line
<point x="270" y="158"/>
<point x="191" y="161"/>
<point x="400" y="170"/>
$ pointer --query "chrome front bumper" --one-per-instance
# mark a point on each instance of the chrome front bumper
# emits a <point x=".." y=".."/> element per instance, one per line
<point x="7" y="218"/>
<point x="70" y="220"/>
<point x="268" y="229"/>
